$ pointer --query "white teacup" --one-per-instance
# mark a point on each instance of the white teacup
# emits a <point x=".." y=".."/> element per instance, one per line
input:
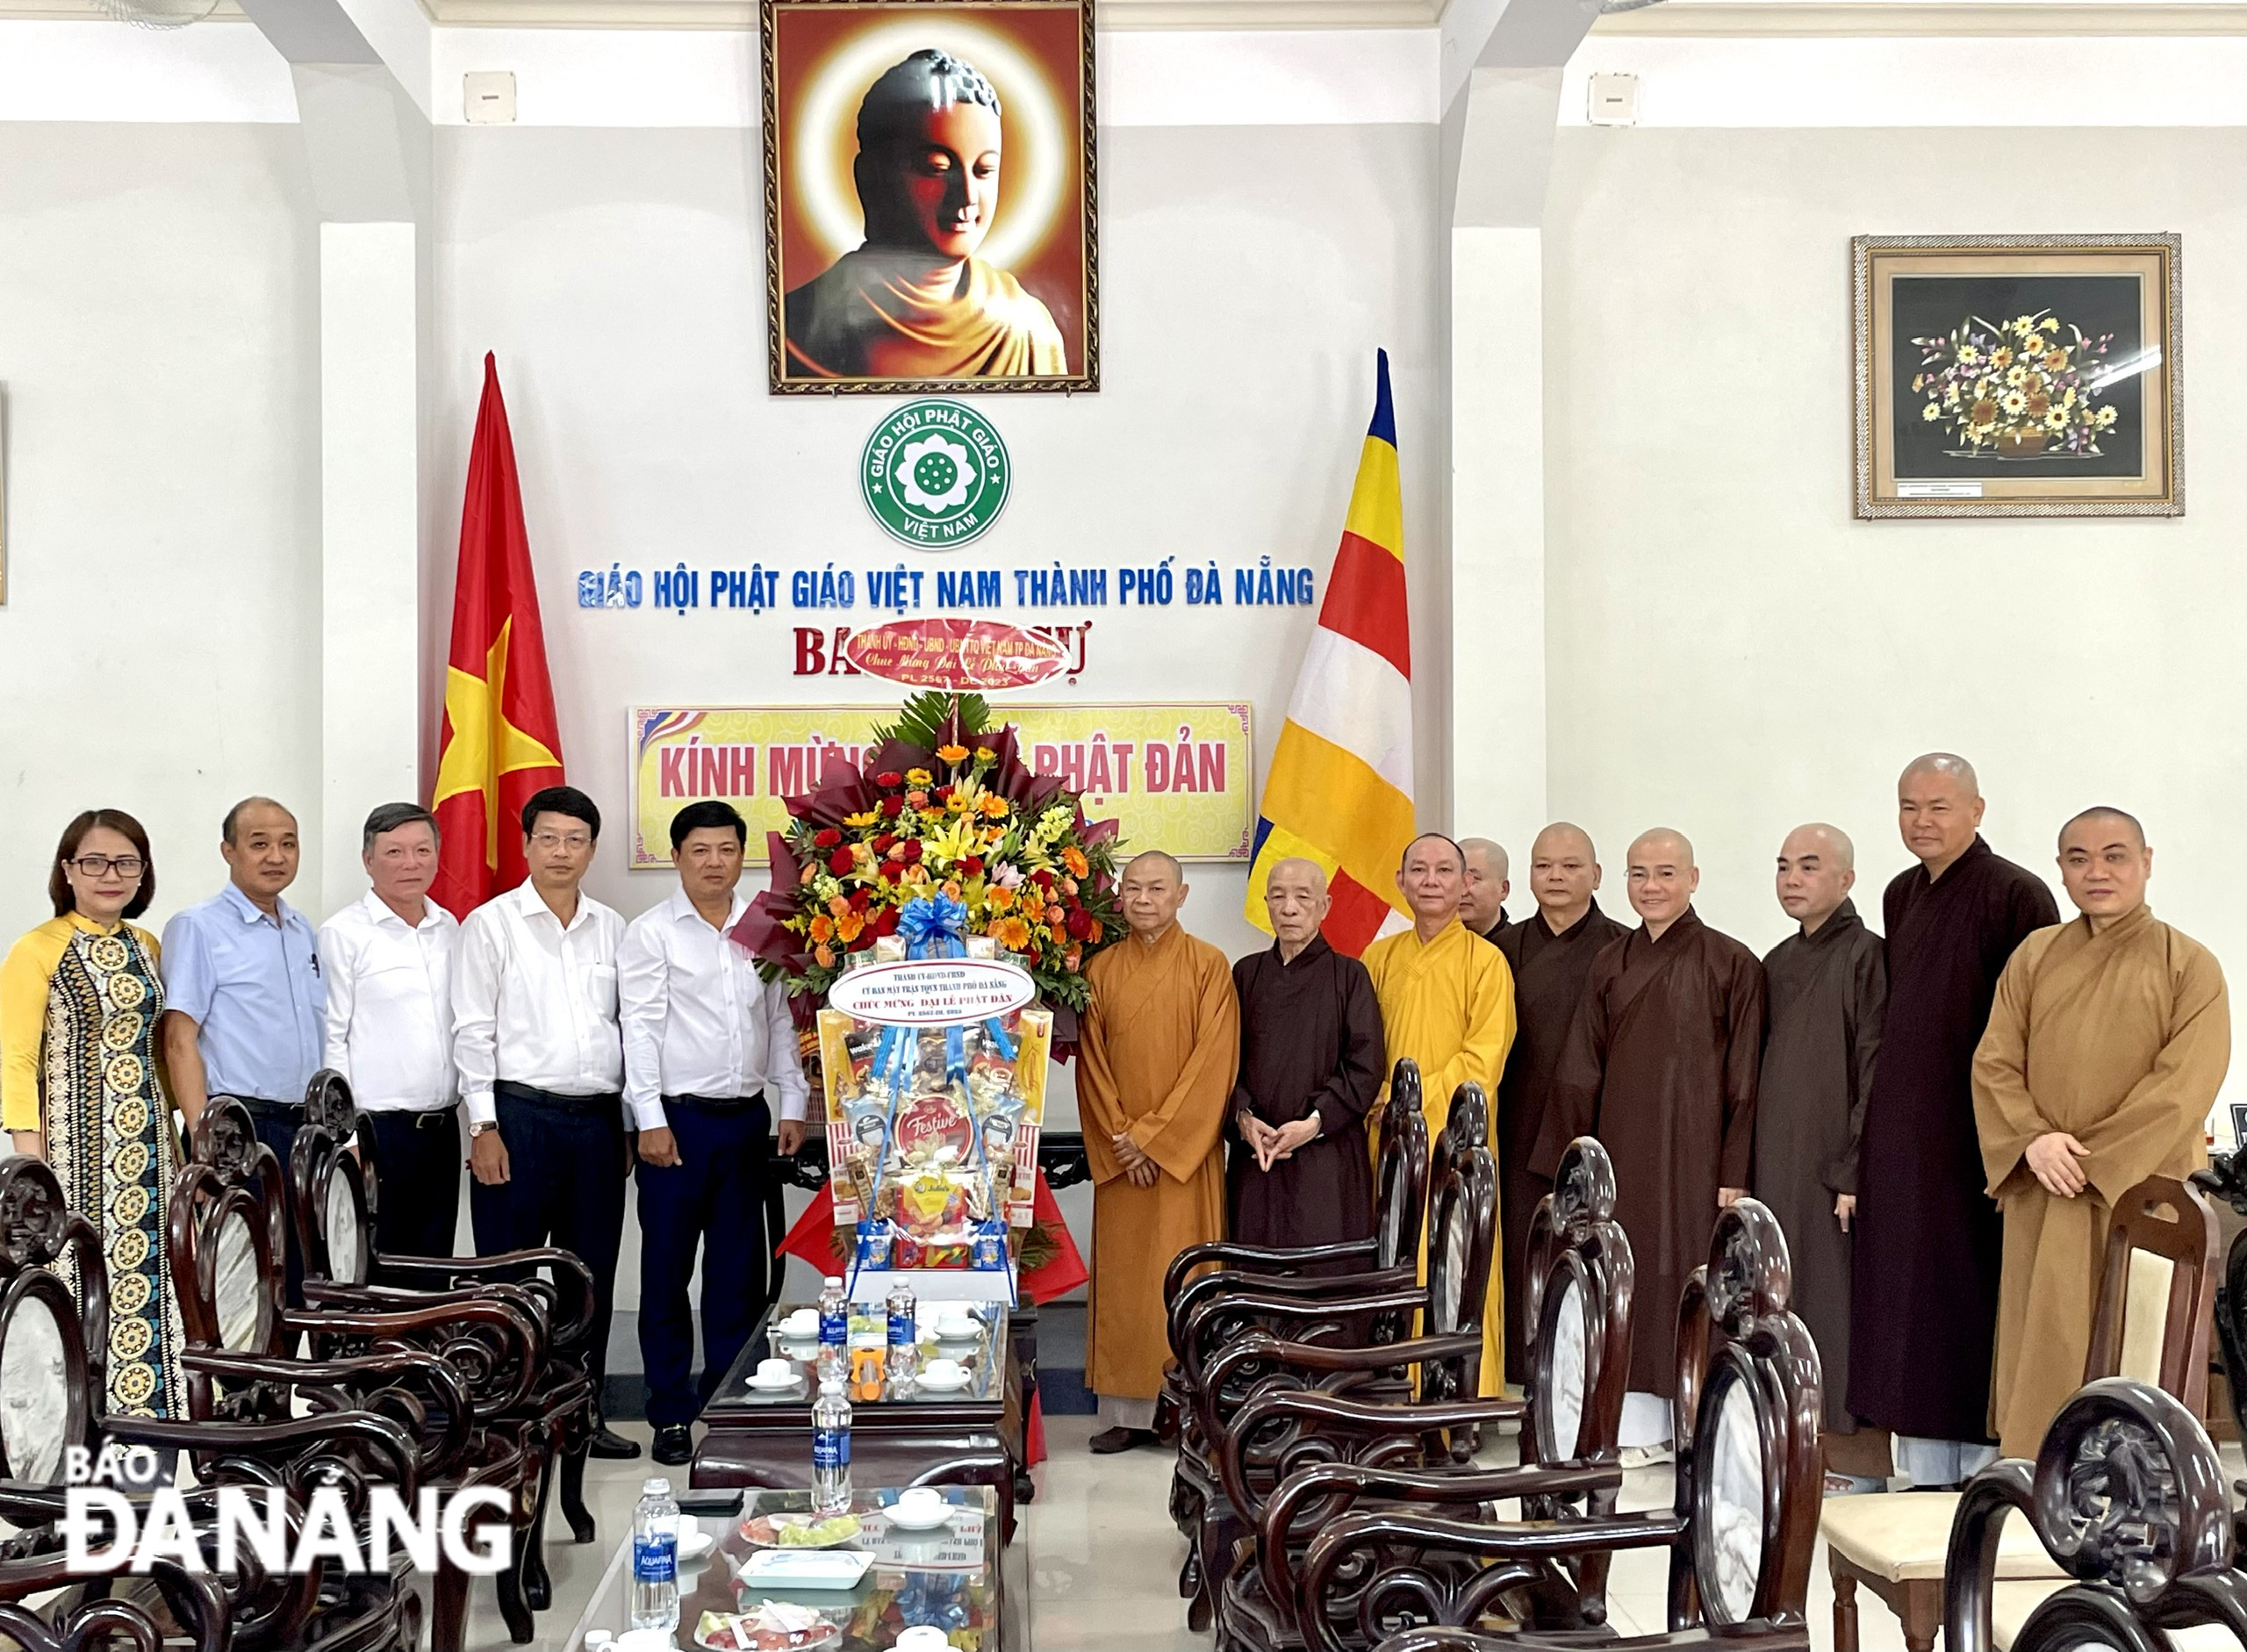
<point x="802" y="1322"/>
<point x="958" y="1323"/>
<point x="940" y="1372"/>
<point x="920" y="1502"/>
<point x="776" y="1370"/>
<point x="922" y="1637"/>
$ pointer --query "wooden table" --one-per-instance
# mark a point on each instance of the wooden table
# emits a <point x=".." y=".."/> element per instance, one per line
<point x="950" y="1578"/>
<point x="973" y="1436"/>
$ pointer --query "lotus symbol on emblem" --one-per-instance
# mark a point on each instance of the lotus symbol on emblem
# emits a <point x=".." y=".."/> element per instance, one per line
<point x="934" y="474"/>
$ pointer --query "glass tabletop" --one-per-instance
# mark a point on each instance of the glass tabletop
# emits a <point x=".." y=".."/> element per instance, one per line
<point x="978" y="1350"/>
<point x="948" y="1577"/>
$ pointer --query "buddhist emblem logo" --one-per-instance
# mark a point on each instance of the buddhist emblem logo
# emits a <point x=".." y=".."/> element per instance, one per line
<point x="935" y="474"/>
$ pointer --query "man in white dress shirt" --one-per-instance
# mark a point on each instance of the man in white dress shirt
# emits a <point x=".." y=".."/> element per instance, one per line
<point x="388" y="961"/>
<point x="542" y="1063"/>
<point x="708" y="1050"/>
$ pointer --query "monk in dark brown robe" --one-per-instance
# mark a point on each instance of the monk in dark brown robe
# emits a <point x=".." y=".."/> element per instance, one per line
<point x="1311" y="1063"/>
<point x="1550" y="952"/>
<point x="1661" y="1067"/>
<point x="1827" y="986"/>
<point x="1482" y="908"/>
<point x="1924" y="1312"/>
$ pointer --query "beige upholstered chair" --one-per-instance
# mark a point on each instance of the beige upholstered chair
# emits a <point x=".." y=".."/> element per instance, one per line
<point x="2161" y="1247"/>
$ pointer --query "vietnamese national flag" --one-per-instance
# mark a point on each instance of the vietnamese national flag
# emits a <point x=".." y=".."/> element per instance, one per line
<point x="500" y="742"/>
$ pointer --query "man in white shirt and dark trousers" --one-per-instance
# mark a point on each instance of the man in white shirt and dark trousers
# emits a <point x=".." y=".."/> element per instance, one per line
<point x="542" y="1064"/>
<point x="388" y="961"/>
<point x="708" y="1050"/>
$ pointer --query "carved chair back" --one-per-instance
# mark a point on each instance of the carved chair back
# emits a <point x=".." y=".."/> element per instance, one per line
<point x="335" y="1191"/>
<point x="2136" y="1333"/>
<point x="2128" y="1495"/>
<point x="1401" y="1176"/>
<point x="225" y="1239"/>
<point x="1463" y="1237"/>
<point x="1581" y="1277"/>
<point x="54" y="1353"/>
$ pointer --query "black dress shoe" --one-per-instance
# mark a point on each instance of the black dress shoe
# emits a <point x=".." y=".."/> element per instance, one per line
<point x="1111" y="1441"/>
<point x="674" y="1445"/>
<point x="608" y="1443"/>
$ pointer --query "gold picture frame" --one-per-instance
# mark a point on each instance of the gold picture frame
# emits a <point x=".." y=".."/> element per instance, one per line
<point x="957" y="248"/>
<point x="2018" y="374"/>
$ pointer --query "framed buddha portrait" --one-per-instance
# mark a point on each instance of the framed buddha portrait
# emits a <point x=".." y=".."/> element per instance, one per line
<point x="2018" y="374"/>
<point x="929" y="216"/>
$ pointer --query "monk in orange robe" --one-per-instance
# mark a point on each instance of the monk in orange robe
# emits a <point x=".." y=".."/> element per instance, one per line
<point x="914" y="301"/>
<point x="1159" y="1048"/>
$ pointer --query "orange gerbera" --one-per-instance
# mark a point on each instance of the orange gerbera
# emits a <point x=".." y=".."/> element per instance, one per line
<point x="822" y="928"/>
<point x="849" y="926"/>
<point x="1074" y="858"/>
<point x="999" y="898"/>
<point x="952" y="754"/>
<point x="994" y="805"/>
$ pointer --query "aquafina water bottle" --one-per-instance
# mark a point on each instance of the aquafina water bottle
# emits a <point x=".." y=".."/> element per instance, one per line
<point x="830" y="1452"/>
<point x="904" y="1355"/>
<point x="834" y="1332"/>
<point x="655" y="1558"/>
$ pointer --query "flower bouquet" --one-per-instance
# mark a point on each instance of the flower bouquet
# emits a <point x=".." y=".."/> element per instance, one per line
<point x="944" y="807"/>
<point x="2016" y="390"/>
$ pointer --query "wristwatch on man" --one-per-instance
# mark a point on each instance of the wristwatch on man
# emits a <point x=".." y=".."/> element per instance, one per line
<point x="480" y="1126"/>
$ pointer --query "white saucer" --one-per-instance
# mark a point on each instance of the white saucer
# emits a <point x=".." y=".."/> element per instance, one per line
<point x="904" y="1523"/>
<point x="694" y="1545"/>
<point x="774" y="1385"/>
<point x="942" y="1385"/>
<point x="958" y="1333"/>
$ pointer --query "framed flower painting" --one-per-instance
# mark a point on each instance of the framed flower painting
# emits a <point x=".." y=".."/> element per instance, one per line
<point x="2018" y="376"/>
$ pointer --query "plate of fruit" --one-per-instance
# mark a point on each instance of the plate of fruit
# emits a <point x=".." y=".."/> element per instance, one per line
<point x="774" y="1626"/>
<point x="798" y="1531"/>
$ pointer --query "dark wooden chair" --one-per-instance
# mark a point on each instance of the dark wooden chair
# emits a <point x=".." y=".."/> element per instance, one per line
<point x="449" y="1371"/>
<point x="54" y="1343"/>
<point x="1323" y="1455"/>
<point x="1739" y="1535"/>
<point x="2127" y="1496"/>
<point x="334" y="1209"/>
<point x="1215" y="1309"/>
<point x="2152" y="1322"/>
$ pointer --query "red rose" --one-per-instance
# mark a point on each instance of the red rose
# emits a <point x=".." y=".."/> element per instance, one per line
<point x="912" y="850"/>
<point x="890" y="777"/>
<point x="882" y="845"/>
<point x="1042" y="878"/>
<point x="861" y="898"/>
<point x="826" y="839"/>
<point x="890" y="806"/>
<point x="840" y="862"/>
<point x="1079" y="923"/>
<point x="886" y="922"/>
<point x="942" y="792"/>
<point x="973" y="866"/>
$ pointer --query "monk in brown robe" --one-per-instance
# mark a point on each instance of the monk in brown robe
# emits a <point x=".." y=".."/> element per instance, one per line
<point x="1661" y="1067"/>
<point x="1482" y="908"/>
<point x="914" y="301"/>
<point x="1550" y="953"/>
<point x="2108" y="1040"/>
<point x="1311" y="1062"/>
<point x="1827" y="986"/>
<point x="1159" y="1047"/>
<point x="1924" y="1308"/>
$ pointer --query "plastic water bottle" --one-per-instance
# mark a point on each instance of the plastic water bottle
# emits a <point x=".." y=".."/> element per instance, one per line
<point x="834" y="1332"/>
<point x="655" y="1558"/>
<point x="904" y="1357"/>
<point x="830" y="1453"/>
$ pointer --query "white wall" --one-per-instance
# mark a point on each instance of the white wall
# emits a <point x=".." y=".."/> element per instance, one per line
<point x="159" y="345"/>
<point x="1732" y="653"/>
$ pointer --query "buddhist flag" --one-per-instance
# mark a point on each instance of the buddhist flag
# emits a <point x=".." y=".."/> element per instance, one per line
<point x="1340" y="787"/>
<point x="500" y="742"/>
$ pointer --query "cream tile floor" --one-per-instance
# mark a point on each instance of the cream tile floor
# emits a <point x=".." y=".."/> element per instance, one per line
<point x="1094" y="1568"/>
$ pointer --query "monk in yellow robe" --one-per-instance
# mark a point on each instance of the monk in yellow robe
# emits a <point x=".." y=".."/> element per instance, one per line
<point x="914" y="301"/>
<point x="1446" y="1001"/>
<point x="2105" y="1049"/>
<point x="1158" y="1052"/>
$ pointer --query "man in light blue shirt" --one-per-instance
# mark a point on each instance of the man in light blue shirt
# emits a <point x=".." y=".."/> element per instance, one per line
<point x="244" y="1005"/>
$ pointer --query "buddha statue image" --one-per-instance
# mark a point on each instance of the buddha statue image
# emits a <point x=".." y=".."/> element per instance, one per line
<point x="914" y="301"/>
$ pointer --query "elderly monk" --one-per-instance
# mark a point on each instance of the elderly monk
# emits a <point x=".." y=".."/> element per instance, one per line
<point x="1661" y="1066"/>
<point x="1925" y="1306"/>
<point x="914" y="301"/>
<point x="1446" y="1001"/>
<point x="1827" y="985"/>
<point x="1481" y="909"/>
<point x="2106" y="1047"/>
<point x="1159" y="1049"/>
<point x="1311" y="1065"/>
<point x="1550" y="953"/>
